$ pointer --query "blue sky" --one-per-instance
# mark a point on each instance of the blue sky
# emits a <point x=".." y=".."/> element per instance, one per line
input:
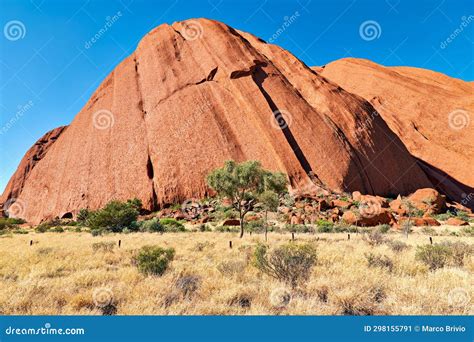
<point x="48" y="71"/>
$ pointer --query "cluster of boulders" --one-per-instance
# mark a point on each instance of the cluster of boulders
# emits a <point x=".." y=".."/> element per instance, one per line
<point x="418" y="209"/>
<point x="366" y="210"/>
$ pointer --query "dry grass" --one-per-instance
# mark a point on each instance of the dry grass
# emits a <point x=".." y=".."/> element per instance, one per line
<point x="70" y="273"/>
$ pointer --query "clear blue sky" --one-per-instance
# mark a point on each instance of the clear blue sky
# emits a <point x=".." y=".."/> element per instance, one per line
<point x="47" y="74"/>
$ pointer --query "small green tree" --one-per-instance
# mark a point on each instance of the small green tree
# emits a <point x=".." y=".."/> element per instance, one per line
<point x="115" y="216"/>
<point x="243" y="184"/>
<point x="270" y="201"/>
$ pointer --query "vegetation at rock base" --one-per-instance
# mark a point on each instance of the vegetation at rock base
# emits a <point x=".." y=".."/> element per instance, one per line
<point x="244" y="183"/>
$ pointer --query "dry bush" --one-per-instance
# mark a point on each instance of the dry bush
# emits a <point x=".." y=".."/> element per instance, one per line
<point x="397" y="246"/>
<point x="459" y="251"/>
<point x="187" y="284"/>
<point x="103" y="246"/>
<point x="434" y="256"/>
<point x="374" y="238"/>
<point x="382" y="261"/>
<point x="229" y="268"/>
<point x="290" y="263"/>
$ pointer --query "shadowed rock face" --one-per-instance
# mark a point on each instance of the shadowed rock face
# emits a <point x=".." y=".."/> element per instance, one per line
<point x="182" y="104"/>
<point x="429" y="111"/>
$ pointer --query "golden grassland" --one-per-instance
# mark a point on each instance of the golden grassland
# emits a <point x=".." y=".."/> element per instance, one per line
<point x="61" y="273"/>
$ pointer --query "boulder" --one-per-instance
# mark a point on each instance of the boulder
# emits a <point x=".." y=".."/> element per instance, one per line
<point x="340" y="203"/>
<point x="428" y="200"/>
<point x="231" y="222"/>
<point x="453" y="221"/>
<point x="420" y="221"/>
<point x="383" y="216"/>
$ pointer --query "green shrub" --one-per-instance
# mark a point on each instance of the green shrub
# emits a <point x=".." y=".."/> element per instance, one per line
<point x="83" y="216"/>
<point x="382" y="261"/>
<point x="344" y="228"/>
<point x="299" y="228"/>
<point x="171" y="225"/>
<point x="257" y="226"/>
<point x="10" y="222"/>
<point x="467" y="231"/>
<point x="290" y="263"/>
<point x="42" y="228"/>
<point x="57" y="230"/>
<point x="462" y="215"/>
<point x="325" y="226"/>
<point x="383" y="228"/>
<point x="97" y="232"/>
<point x="227" y="229"/>
<point x="152" y="225"/>
<point x="115" y="216"/>
<point x="443" y="217"/>
<point x="204" y="228"/>
<point x="434" y="256"/>
<point x="19" y="231"/>
<point x="154" y="260"/>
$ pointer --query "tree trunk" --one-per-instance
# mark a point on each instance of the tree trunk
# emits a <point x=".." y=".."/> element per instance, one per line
<point x="241" y="224"/>
<point x="266" y="224"/>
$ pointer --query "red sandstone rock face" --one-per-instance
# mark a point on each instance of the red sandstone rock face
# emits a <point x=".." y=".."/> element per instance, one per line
<point x="183" y="103"/>
<point x="31" y="158"/>
<point x="430" y="112"/>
